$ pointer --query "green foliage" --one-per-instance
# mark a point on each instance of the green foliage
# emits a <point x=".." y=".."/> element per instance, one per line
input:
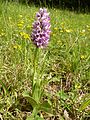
<point x="66" y="67"/>
<point x="30" y="99"/>
<point x="75" y="5"/>
<point x="85" y="103"/>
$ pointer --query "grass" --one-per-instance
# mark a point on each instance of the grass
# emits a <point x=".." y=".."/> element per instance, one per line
<point x="67" y="63"/>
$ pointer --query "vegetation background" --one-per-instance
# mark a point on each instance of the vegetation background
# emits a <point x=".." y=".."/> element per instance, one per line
<point x="67" y="62"/>
<point x="78" y="5"/>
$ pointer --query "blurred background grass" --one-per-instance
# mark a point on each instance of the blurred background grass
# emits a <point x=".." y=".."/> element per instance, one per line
<point x="67" y="63"/>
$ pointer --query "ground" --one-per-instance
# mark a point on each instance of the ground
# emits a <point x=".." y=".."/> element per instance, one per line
<point x="66" y="68"/>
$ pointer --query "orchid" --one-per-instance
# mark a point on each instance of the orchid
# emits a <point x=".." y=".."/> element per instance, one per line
<point x="41" y="29"/>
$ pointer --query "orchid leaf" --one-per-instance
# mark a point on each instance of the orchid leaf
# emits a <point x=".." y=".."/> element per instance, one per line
<point x="36" y="92"/>
<point x="46" y="107"/>
<point x="30" y="99"/>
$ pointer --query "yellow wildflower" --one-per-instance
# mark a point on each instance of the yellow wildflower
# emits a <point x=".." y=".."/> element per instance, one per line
<point x="83" y="57"/>
<point x="83" y="31"/>
<point x="2" y="34"/>
<point x="24" y="35"/>
<point x="87" y="26"/>
<point x="55" y="28"/>
<point x="22" y="22"/>
<point x="68" y="31"/>
<point x="20" y="25"/>
<point x="17" y="46"/>
<point x="77" y="86"/>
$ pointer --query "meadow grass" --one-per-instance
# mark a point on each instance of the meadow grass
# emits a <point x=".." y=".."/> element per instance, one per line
<point x="67" y="63"/>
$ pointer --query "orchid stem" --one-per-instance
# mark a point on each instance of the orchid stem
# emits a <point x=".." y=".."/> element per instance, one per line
<point x="34" y="66"/>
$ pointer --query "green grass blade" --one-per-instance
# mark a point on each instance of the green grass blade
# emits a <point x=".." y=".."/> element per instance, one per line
<point x="84" y="105"/>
